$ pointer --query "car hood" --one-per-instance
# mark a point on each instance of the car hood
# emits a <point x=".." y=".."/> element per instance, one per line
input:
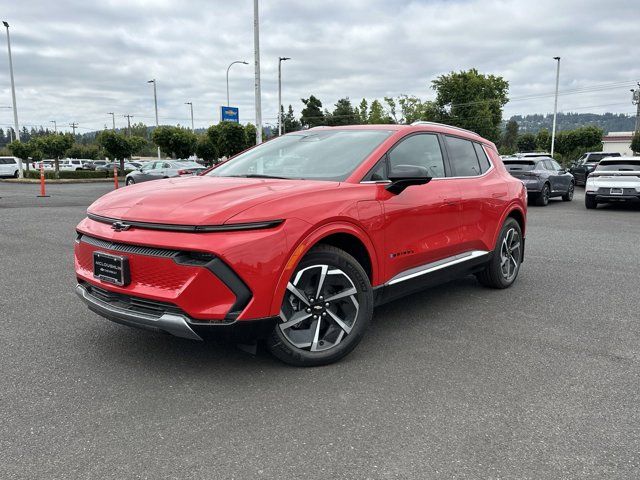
<point x="199" y="200"/>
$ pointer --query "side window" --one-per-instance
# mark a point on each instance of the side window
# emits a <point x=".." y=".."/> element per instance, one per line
<point x="462" y="156"/>
<point x="482" y="157"/>
<point x="165" y="165"/>
<point x="549" y="165"/>
<point x="422" y="150"/>
<point x="556" y="165"/>
<point x="378" y="173"/>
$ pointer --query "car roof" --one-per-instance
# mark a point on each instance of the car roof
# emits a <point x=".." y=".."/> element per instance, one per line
<point x="419" y="126"/>
<point x="618" y="159"/>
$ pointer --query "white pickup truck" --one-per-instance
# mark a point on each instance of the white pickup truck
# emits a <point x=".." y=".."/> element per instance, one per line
<point x="614" y="180"/>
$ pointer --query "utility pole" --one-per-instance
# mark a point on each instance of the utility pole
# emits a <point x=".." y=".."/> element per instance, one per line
<point x="555" y="106"/>
<point x="155" y="102"/>
<point x="74" y="125"/>
<point x="13" y="97"/>
<point x="256" y="48"/>
<point x="636" y="101"/>
<point x="113" y="120"/>
<point x="55" y="126"/>
<point x="191" y="107"/>
<point x="230" y="65"/>
<point x="280" y="110"/>
<point x="128" y="117"/>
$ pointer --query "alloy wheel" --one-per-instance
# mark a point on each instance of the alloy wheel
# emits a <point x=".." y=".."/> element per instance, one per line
<point x="570" y="192"/>
<point x="510" y="254"/>
<point x="320" y="308"/>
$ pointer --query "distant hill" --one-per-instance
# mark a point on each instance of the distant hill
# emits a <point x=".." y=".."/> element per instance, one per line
<point x="609" y="122"/>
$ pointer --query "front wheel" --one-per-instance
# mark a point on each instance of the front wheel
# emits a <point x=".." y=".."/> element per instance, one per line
<point x="504" y="266"/>
<point x="325" y="311"/>
<point x="15" y="174"/>
<point x="129" y="181"/>
<point x="567" y="197"/>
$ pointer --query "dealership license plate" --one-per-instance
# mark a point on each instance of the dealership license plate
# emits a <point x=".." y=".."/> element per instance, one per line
<point x="616" y="191"/>
<point x="111" y="268"/>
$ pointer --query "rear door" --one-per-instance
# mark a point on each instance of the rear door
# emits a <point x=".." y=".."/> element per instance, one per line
<point x="4" y="167"/>
<point x="483" y="192"/>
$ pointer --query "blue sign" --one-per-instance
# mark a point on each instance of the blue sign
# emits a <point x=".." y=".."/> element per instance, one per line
<point x="229" y="114"/>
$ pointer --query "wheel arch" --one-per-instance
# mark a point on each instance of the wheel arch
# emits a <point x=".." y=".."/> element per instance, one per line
<point x="346" y="236"/>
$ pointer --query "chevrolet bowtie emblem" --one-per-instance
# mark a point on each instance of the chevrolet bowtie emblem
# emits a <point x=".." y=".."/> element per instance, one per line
<point x="120" y="226"/>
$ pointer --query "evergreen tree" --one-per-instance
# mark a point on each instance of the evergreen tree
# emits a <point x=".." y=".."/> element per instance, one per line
<point x="312" y="115"/>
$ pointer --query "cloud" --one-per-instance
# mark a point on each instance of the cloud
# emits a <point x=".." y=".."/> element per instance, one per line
<point x="76" y="60"/>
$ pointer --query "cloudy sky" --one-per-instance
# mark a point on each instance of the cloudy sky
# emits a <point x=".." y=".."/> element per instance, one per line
<point x="74" y="61"/>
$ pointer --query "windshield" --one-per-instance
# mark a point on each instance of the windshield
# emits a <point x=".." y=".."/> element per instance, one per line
<point x="619" y="166"/>
<point x="312" y="155"/>
<point x="519" y="165"/>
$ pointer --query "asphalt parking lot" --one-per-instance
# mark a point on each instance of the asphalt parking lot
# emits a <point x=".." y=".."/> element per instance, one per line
<point x="538" y="381"/>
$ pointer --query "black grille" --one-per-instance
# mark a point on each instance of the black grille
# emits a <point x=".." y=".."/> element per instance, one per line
<point x="625" y="191"/>
<point x="128" y="248"/>
<point x="136" y="304"/>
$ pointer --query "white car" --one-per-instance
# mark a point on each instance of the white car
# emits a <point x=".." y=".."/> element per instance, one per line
<point x="615" y="179"/>
<point x="9" y="167"/>
<point x="72" y="164"/>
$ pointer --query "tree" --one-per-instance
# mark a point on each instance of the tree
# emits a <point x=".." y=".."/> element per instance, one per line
<point x="176" y="141"/>
<point x="635" y="143"/>
<point x="510" y="137"/>
<point x="377" y="114"/>
<point x="116" y="146"/>
<point x="343" y="114"/>
<point x="527" y="142"/>
<point x="543" y="140"/>
<point x="206" y="149"/>
<point x="250" y="135"/>
<point x="22" y="150"/>
<point x="363" y="112"/>
<point x="83" y="151"/>
<point x="411" y="109"/>
<point x="471" y="100"/>
<point x="229" y="137"/>
<point x="290" y="123"/>
<point x="54" y="146"/>
<point x="312" y="115"/>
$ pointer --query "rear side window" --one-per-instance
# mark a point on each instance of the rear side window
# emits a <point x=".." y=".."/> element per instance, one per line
<point x="422" y="150"/>
<point x="462" y="156"/>
<point x="482" y="157"/>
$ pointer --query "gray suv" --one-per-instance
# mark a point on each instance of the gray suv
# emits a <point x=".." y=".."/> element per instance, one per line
<point x="587" y="163"/>
<point x="543" y="177"/>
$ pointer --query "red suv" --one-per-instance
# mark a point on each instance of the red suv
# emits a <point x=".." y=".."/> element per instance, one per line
<point x="296" y="240"/>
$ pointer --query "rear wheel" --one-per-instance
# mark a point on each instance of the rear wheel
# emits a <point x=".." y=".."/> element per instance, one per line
<point x="325" y="311"/>
<point x="590" y="202"/>
<point x="542" y="199"/>
<point x="504" y="266"/>
<point x="567" y="197"/>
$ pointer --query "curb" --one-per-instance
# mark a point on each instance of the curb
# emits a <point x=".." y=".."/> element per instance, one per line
<point x="61" y="180"/>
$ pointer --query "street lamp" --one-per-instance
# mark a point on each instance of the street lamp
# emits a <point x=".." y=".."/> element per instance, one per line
<point x="55" y="126"/>
<point x="555" y="106"/>
<point x="113" y="120"/>
<point x="155" y="102"/>
<point x="191" y="107"/>
<point x="232" y="63"/>
<point x="13" y="96"/>
<point x="280" y="60"/>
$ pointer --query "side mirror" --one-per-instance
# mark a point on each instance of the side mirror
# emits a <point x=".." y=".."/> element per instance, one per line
<point x="403" y="176"/>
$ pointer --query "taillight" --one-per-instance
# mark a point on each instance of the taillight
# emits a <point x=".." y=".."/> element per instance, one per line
<point x="183" y="172"/>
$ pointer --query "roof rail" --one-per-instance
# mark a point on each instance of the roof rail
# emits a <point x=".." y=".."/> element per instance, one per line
<point x="423" y="122"/>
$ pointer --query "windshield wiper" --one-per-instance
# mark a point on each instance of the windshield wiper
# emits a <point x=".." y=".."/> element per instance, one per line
<point x="258" y="175"/>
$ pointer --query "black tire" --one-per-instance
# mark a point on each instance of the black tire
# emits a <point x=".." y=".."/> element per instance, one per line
<point x="493" y="276"/>
<point x="590" y="202"/>
<point x="15" y="174"/>
<point x="567" y="197"/>
<point x="353" y="275"/>
<point x="129" y="181"/>
<point x="542" y="200"/>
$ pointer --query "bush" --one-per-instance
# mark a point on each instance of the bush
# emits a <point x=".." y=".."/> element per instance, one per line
<point x="51" y="175"/>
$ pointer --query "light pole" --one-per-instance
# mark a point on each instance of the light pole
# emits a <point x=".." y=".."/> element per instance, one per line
<point x="232" y="63"/>
<point x="280" y="60"/>
<point x="113" y="120"/>
<point x="555" y="107"/>
<point x="191" y="108"/>
<point x="155" y="101"/>
<point x="635" y="99"/>
<point x="256" y="49"/>
<point x="13" y="96"/>
<point x="55" y="126"/>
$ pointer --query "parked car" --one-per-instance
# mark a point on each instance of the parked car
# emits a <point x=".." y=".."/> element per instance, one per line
<point x="614" y="180"/>
<point x="108" y="167"/>
<point x="94" y="164"/>
<point x="532" y="154"/>
<point x="72" y="164"/>
<point x="163" y="169"/>
<point x="543" y="177"/>
<point x="297" y="239"/>
<point x="586" y="164"/>
<point x="9" y="167"/>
